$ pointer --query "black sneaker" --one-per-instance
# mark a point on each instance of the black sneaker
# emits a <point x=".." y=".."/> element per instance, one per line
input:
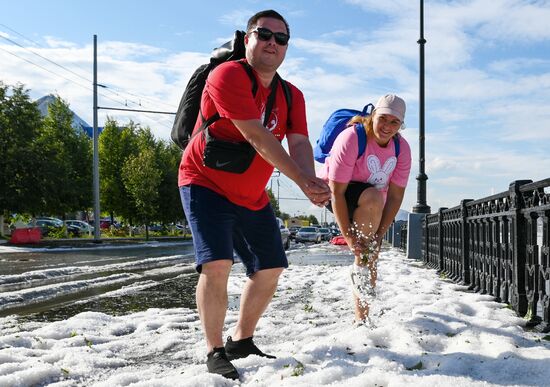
<point x="217" y="363"/>
<point x="243" y="348"/>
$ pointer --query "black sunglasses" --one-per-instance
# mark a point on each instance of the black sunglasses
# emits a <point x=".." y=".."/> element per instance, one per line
<point x="265" y="34"/>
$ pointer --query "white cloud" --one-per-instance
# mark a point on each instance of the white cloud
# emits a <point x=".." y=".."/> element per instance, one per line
<point x="487" y="82"/>
<point x="54" y="42"/>
<point x="515" y="65"/>
<point x="237" y="18"/>
<point x="394" y="7"/>
<point x="126" y="50"/>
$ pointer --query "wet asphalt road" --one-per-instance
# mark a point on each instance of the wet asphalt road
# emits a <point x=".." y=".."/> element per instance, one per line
<point x="117" y="280"/>
<point x="57" y="284"/>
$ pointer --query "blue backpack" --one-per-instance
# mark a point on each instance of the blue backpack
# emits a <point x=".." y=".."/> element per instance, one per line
<point x="336" y="123"/>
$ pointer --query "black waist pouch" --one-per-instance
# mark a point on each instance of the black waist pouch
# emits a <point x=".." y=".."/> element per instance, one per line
<point x="227" y="156"/>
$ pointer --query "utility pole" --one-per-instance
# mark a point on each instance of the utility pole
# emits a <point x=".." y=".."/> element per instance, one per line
<point x="97" y="231"/>
<point x="421" y="206"/>
<point x="97" y="212"/>
<point x="278" y="203"/>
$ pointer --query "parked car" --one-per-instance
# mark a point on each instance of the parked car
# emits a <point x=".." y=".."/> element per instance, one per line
<point x="47" y="225"/>
<point x="293" y="230"/>
<point x="105" y="223"/>
<point x="82" y="226"/>
<point x="285" y="233"/>
<point x="326" y="235"/>
<point x="308" y="234"/>
<point x="335" y="231"/>
<point x="157" y="227"/>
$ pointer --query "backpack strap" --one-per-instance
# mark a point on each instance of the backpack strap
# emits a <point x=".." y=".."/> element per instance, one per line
<point x="270" y="101"/>
<point x="286" y="89"/>
<point x="216" y="116"/>
<point x="251" y="75"/>
<point x="397" y="145"/>
<point x="361" y="138"/>
<point x="288" y="97"/>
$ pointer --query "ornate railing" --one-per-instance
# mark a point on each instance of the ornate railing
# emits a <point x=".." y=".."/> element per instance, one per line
<point x="397" y="235"/>
<point x="498" y="245"/>
<point x="403" y="241"/>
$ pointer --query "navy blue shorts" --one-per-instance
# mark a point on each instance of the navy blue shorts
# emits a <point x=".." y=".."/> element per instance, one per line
<point x="220" y="227"/>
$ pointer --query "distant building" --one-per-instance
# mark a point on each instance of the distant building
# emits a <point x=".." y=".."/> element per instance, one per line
<point x="78" y="123"/>
<point x="295" y="222"/>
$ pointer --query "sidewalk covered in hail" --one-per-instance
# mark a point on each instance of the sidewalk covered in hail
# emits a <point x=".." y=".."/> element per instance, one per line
<point x="427" y="331"/>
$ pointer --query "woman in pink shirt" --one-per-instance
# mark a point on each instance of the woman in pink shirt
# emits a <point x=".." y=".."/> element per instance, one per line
<point x="367" y="191"/>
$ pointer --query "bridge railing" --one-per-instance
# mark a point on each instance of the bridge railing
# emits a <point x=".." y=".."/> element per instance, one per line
<point x="498" y="245"/>
<point x="397" y="235"/>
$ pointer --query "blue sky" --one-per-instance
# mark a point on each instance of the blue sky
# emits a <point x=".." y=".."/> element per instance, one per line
<point x="487" y="72"/>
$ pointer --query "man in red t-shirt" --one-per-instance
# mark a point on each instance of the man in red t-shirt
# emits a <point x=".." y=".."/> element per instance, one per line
<point x="230" y="211"/>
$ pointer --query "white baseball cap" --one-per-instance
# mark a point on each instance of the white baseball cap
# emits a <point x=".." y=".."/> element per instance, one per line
<point x="391" y="104"/>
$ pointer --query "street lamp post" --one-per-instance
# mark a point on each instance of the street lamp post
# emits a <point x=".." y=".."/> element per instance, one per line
<point x="415" y="221"/>
<point x="421" y="206"/>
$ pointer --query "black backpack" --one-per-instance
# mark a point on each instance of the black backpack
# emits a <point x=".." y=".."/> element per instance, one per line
<point x="189" y="107"/>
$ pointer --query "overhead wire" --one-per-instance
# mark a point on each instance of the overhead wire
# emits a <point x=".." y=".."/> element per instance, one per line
<point x="125" y="103"/>
<point x="45" y="69"/>
<point x="110" y="89"/>
<point x="79" y="84"/>
<point x="43" y="57"/>
<point x="53" y="62"/>
<point x="24" y="37"/>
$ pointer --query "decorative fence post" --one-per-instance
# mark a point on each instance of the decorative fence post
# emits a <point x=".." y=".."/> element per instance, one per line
<point x="536" y="207"/>
<point x="544" y="272"/>
<point x="414" y="235"/>
<point x="518" y="297"/>
<point x="465" y="251"/>
<point x="531" y="268"/>
<point x="388" y="237"/>
<point x="403" y="237"/>
<point x="496" y="258"/>
<point x="441" y="263"/>
<point x="397" y="233"/>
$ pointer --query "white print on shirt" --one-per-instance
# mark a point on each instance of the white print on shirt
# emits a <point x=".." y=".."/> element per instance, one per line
<point x="380" y="176"/>
<point x="273" y="120"/>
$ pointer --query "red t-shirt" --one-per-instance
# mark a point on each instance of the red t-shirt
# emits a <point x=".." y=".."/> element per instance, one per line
<point x="228" y="91"/>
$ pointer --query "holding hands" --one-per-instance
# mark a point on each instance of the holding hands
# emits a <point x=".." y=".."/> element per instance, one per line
<point x="316" y="190"/>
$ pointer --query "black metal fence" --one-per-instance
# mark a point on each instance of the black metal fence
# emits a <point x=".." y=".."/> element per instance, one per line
<point x="403" y="231"/>
<point x="397" y="234"/>
<point x="498" y="245"/>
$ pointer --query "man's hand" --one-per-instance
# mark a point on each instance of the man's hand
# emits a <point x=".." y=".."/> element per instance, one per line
<point x="316" y="190"/>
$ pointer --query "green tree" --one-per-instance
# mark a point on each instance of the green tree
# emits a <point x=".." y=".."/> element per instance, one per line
<point x="142" y="178"/>
<point x="274" y="203"/>
<point x="169" y="204"/>
<point x="66" y="162"/>
<point x="312" y="219"/>
<point x="284" y="216"/>
<point x="116" y="145"/>
<point x="20" y="179"/>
